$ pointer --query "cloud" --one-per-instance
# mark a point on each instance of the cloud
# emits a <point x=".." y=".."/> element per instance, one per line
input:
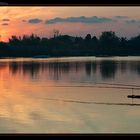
<point x="5" y="24"/>
<point x="82" y="19"/>
<point x="5" y="19"/>
<point x="121" y="17"/>
<point x="34" y="21"/>
<point x="132" y="21"/>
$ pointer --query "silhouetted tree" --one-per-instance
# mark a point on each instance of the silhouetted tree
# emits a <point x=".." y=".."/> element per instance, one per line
<point x="64" y="45"/>
<point x="88" y="37"/>
<point x="56" y="32"/>
<point x="109" y="39"/>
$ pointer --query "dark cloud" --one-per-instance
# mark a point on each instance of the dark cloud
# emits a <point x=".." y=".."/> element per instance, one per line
<point x="81" y="19"/>
<point x="5" y="24"/>
<point x="121" y="17"/>
<point x="34" y="21"/>
<point x="132" y="21"/>
<point x="5" y="19"/>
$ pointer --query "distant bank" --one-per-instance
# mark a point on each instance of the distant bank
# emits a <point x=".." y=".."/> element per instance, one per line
<point x="108" y="44"/>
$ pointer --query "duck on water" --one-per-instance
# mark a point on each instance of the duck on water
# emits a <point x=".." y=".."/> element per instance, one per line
<point x="133" y="96"/>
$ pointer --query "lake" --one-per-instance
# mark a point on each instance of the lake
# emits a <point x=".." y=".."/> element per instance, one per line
<point x="70" y="95"/>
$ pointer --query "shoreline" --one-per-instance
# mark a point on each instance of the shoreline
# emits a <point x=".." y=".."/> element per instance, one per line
<point x="98" y="56"/>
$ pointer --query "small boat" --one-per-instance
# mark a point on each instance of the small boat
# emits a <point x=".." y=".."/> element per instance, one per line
<point x="133" y="96"/>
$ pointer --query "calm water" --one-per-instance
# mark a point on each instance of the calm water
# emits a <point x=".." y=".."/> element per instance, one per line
<point x="70" y="95"/>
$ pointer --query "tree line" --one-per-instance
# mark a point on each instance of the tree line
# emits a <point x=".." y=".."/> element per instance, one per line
<point x="107" y="44"/>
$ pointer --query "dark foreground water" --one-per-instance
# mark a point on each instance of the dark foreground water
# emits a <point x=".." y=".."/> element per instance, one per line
<point x="70" y="95"/>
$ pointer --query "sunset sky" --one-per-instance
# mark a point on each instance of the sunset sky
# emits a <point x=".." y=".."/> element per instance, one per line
<point x="75" y="21"/>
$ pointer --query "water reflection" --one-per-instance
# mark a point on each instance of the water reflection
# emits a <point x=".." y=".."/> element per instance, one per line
<point x="33" y="100"/>
<point x="105" y="70"/>
<point x="135" y="67"/>
<point x="108" y="69"/>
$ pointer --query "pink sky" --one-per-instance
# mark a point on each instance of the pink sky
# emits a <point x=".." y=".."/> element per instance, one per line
<point x="16" y="26"/>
